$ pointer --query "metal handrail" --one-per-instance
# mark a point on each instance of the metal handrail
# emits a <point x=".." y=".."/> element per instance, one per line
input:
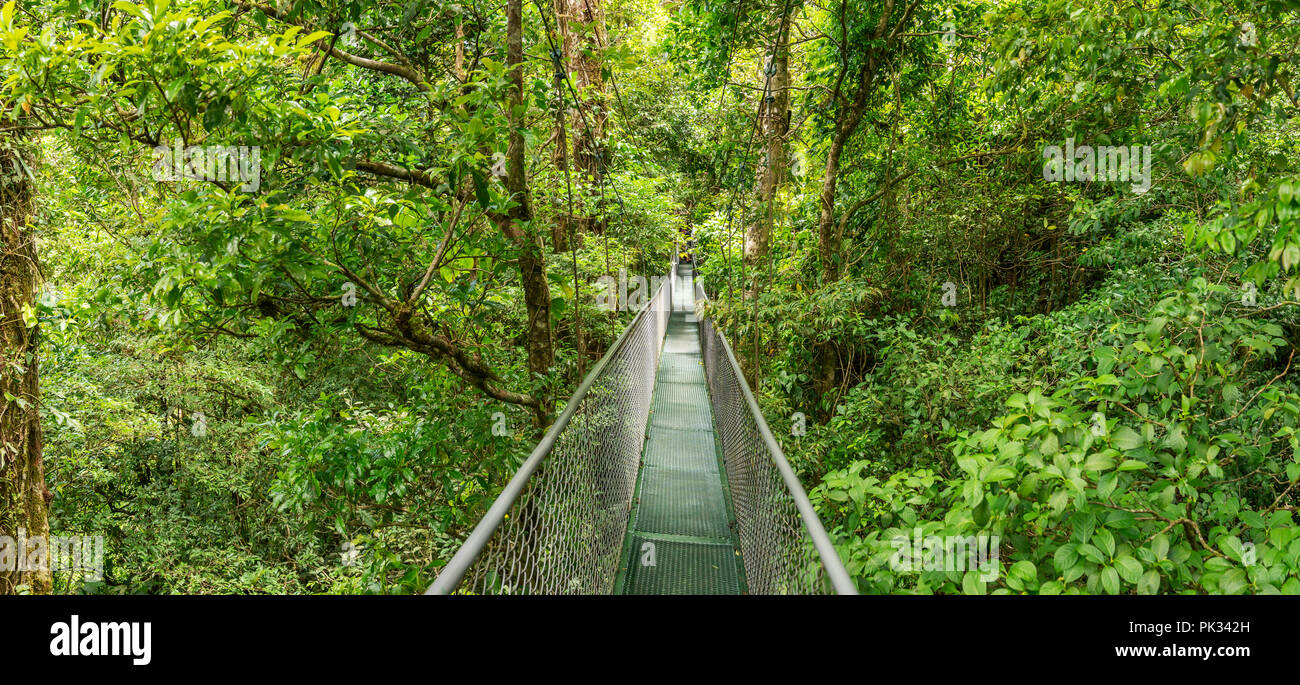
<point x="454" y="572"/>
<point x="477" y="547"/>
<point x="839" y="577"/>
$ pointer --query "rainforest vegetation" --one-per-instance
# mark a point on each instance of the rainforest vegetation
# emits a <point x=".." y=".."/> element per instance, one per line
<point x="290" y="289"/>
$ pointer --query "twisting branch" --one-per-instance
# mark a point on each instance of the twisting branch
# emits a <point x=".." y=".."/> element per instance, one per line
<point x="405" y="71"/>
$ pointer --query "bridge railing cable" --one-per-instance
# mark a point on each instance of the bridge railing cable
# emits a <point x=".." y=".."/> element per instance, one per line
<point x="558" y="526"/>
<point x="782" y="541"/>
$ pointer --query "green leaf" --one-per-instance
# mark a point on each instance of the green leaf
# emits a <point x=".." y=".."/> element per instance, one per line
<point x="1105" y="541"/>
<point x="1098" y="461"/>
<point x="1091" y="552"/>
<point x="1231" y="546"/>
<point x="1126" y="439"/>
<point x="1000" y="473"/>
<point x="128" y="7"/>
<point x="1065" y="557"/>
<point x="1130" y="569"/>
<point x="174" y="88"/>
<point x="1233" y="582"/>
<point x="1149" y="583"/>
<point x="1160" y="546"/>
<point x="481" y="191"/>
<point x="312" y="38"/>
<point x="1110" y="580"/>
<point x="1155" y="326"/>
<point x="1058" y="501"/>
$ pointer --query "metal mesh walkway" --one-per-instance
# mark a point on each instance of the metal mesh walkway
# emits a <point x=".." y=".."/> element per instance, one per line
<point x="660" y="476"/>
<point x="680" y="537"/>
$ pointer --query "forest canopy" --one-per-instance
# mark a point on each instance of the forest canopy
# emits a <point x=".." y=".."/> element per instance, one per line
<point x="291" y="289"/>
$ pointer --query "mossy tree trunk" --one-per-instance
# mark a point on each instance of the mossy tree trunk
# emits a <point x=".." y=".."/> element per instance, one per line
<point x="23" y="496"/>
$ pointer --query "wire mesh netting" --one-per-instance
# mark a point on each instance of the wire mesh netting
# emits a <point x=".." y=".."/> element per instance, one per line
<point x="777" y="549"/>
<point x="564" y="533"/>
<point x="560" y="526"/>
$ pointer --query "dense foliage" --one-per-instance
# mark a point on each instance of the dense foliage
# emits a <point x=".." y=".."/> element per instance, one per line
<point x="316" y="378"/>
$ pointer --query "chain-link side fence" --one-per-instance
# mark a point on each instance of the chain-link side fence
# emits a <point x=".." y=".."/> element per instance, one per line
<point x="783" y="545"/>
<point x="558" y="526"/>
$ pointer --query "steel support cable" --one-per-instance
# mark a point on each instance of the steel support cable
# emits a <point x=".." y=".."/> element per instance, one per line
<point x="722" y="98"/>
<point x="578" y="106"/>
<point x="731" y="203"/>
<point x="568" y="192"/>
<point x="726" y="81"/>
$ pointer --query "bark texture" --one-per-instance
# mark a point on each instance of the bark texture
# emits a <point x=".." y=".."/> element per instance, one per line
<point x="24" y="498"/>
<point x="774" y="114"/>
<point x="532" y="265"/>
<point x="582" y="31"/>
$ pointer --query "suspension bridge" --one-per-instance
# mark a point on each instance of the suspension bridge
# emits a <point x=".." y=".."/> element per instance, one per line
<point x="659" y="477"/>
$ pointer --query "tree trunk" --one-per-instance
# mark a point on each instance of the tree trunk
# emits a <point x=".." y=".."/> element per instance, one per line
<point x="848" y="116"/>
<point x="826" y="376"/>
<point x="774" y="117"/>
<point x="590" y="156"/>
<point x="776" y="123"/>
<point x="827" y="236"/>
<point x="23" y="496"/>
<point x="532" y="264"/>
<point x="565" y="219"/>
